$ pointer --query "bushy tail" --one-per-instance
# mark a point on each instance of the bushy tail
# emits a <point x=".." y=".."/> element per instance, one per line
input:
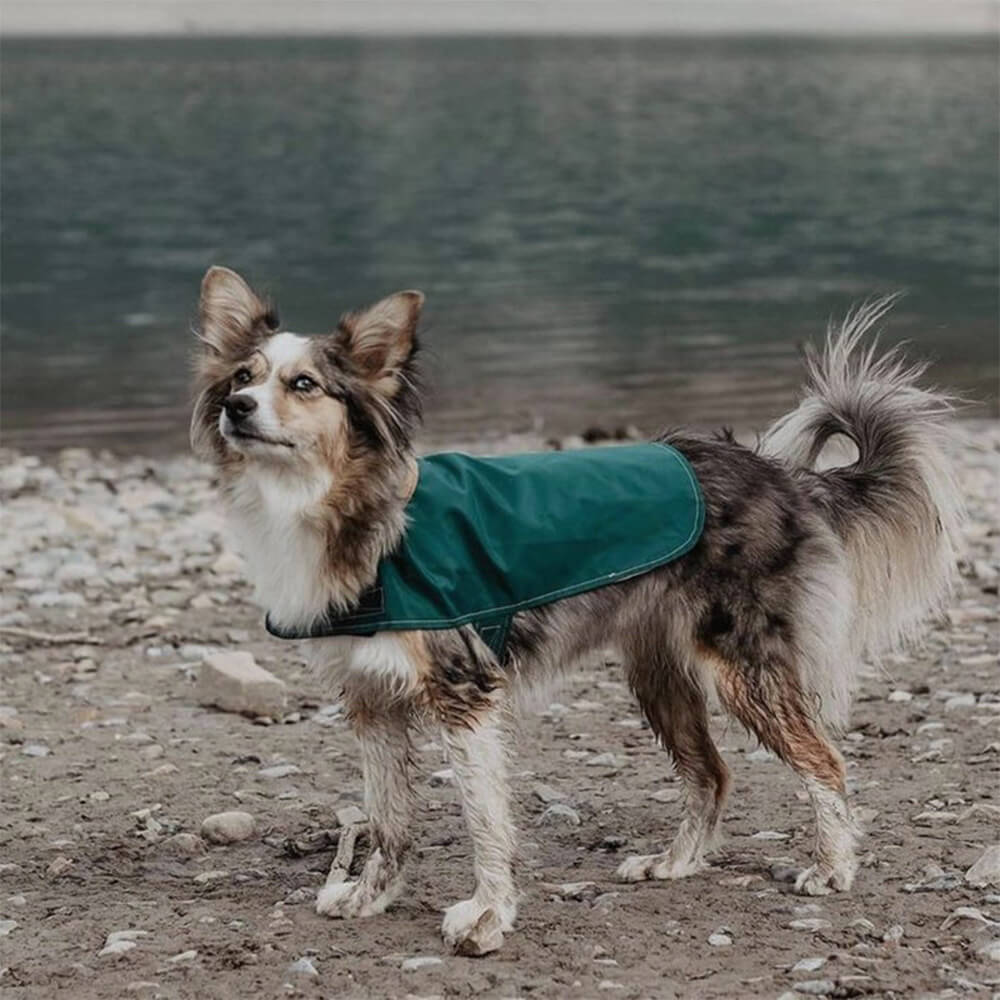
<point x="898" y="509"/>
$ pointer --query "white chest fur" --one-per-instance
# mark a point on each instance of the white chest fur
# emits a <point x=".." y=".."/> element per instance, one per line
<point x="384" y="660"/>
<point x="275" y="527"/>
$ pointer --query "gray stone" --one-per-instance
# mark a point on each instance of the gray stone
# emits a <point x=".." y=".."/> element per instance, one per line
<point x="228" y="827"/>
<point x="604" y="760"/>
<point x="546" y="793"/>
<point x="810" y="924"/>
<point x="556" y="812"/>
<point x="986" y="871"/>
<point x="234" y="682"/>
<point x="303" y="967"/>
<point x="990" y="950"/>
<point x="279" y="771"/>
<point x="815" y="987"/>
<point x="350" y="815"/>
<point x="185" y="844"/>
<point x="119" y="942"/>
<point x="809" y="964"/>
<point x="6" y="926"/>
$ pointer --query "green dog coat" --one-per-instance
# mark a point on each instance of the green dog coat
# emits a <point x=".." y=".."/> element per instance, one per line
<point x="488" y="537"/>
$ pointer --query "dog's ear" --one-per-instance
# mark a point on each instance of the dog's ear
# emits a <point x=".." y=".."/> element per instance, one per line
<point x="380" y="340"/>
<point x="232" y="316"/>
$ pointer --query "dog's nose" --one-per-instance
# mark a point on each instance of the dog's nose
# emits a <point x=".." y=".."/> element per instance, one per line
<point x="239" y="406"/>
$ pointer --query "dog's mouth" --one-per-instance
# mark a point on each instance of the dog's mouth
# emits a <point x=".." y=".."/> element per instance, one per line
<point x="242" y="434"/>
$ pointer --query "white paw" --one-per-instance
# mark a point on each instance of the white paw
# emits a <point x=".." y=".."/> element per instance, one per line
<point x="353" y="899"/>
<point x="640" y="867"/>
<point x="475" y="928"/>
<point x="821" y="880"/>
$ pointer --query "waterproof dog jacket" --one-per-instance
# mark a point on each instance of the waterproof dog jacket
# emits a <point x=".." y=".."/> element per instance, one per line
<point x="488" y="537"/>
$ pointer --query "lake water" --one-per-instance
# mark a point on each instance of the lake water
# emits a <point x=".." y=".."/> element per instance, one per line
<point x="608" y="231"/>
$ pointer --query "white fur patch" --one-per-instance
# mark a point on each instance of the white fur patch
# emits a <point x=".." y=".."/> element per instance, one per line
<point x="280" y="540"/>
<point x="282" y="351"/>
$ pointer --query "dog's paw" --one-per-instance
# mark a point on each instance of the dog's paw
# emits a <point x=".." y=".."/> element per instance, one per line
<point x="641" y="867"/>
<point x="473" y="928"/>
<point x="353" y="899"/>
<point x="821" y="880"/>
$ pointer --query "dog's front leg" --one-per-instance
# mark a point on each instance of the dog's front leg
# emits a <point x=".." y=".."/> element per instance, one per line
<point x="382" y="731"/>
<point x="478" y="757"/>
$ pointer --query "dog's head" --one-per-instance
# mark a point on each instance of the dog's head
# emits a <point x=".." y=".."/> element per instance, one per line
<point x="268" y="396"/>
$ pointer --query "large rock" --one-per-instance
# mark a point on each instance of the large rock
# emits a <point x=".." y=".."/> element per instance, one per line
<point x="233" y="682"/>
<point x="228" y="827"/>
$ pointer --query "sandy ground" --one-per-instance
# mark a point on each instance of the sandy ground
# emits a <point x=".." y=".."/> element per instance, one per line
<point x="106" y="756"/>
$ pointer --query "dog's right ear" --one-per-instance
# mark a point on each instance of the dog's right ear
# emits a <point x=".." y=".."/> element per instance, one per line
<point x="232" y="316"/>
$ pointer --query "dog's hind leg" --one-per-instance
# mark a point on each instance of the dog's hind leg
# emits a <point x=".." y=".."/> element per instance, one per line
<point x="673" y="701"/>
<point x="772" y="705"/>
<point x="382" y="731"/>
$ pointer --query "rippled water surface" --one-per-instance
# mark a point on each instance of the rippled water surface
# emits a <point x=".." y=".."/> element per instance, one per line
<point x="608" y="231"/>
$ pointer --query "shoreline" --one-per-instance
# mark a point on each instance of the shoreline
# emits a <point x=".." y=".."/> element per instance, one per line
<point x="139" y="445"/>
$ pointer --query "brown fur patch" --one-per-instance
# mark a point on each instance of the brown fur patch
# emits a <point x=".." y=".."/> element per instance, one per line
<point x="773" y="708"/>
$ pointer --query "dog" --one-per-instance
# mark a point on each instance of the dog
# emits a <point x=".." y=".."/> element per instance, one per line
<point x="800" y="576"/>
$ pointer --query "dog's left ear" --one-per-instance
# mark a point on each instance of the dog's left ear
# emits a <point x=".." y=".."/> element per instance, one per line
<point x="231" y="314"/>
<point x="381" y="339"/>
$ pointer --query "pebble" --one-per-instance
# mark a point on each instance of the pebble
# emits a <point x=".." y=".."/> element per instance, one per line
<point x="990" y="950"/>
<point x="6" y="926"/>
<point x="769" y="835"/>
<point x="546" y="793"/>
<point x="185" y="843"/>
<point x="228" y="827"/>
<point x="350" y="816"/>
<point x="986" y="871"/>
<point x="59" y="866"/>
<point x="556" y="812"/>
<point x="894" y="934"/>
<point x="184" y="956"/>
<point x="810" y="924"/>
<point x="420" y="962"/>
<point x="964" y="700"/>
<point x="279" y="771"/>
<point x="604" y="760"/>
<point x="443" y="777"/>
<point x="35" y="750"/>
<point x="306" y="894"/>
<point x="666" y="795"/>
<point x="213" y="876"/>
<point x="233" y="682"/>
<point x="119" y="942"/>
<point x="303" y="967"/>
<point x="808" y="964"/>
<point x="900" y="696"/>
<point x="968" y="913"/>
<point x="815" y="987"/>
<point x="719" y="940"/>
<point x="577" y="890"/>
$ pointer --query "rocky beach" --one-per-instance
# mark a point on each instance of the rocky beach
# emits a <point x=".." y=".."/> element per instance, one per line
<point x="169" y="809"/>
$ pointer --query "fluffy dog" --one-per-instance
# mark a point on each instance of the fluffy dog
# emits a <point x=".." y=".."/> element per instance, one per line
<point x="799" y="576"/>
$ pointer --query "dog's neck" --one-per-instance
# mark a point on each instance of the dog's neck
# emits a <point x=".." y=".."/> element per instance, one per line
<point x="312" y="544"/>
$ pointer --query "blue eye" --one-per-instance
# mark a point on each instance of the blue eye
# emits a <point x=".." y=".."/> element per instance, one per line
<point x="302" y="383"/>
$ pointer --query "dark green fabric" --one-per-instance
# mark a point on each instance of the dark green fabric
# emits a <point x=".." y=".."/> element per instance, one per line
<point x="488" y="537"/>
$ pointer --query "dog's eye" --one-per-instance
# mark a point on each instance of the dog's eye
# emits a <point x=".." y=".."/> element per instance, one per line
<point x="302" y="383"/>
<point x="242" y="376"/>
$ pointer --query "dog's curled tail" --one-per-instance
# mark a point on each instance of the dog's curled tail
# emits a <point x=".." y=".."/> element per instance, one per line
<point x="898" y="509"/>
